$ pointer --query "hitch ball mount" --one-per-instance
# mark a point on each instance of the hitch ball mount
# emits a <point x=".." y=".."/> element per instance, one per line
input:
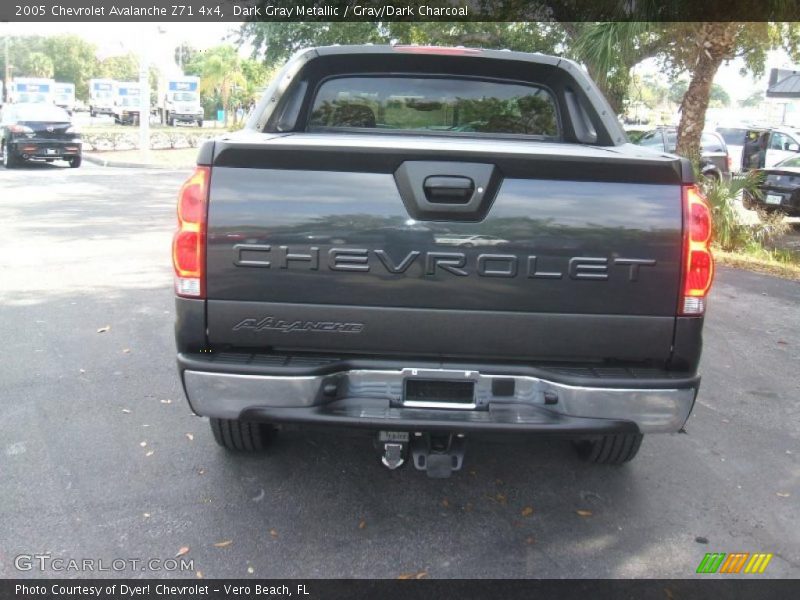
<point x="438" y="454"/>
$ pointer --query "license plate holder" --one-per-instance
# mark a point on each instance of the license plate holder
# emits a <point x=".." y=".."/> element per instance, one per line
<point x="439" y="392"/>
<point x="51" y="151"/>
<point x="774" y="199"/>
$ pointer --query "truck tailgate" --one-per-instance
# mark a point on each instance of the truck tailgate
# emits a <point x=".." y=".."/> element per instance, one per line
<point x="324" y="242"/>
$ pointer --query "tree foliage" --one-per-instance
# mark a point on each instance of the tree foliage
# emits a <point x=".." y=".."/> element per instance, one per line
<point x="227" y="80"/>
<point x="66" y="58"/>
<point x="700" y="49"/>
<point x="122" y="68"/>
<point x="753" y="100"/>
<point x="74" y="61"/>
<point x="40" y="65"/>
<point x="275" y="42"/>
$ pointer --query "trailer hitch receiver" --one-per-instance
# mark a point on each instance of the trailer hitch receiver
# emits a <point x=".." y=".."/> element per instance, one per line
<point x="438" y="454"/>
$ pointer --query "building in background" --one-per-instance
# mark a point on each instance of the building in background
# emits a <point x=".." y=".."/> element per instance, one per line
<point x="783" y="94"/>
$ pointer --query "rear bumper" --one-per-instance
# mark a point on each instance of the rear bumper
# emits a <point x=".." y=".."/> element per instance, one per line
<point x="36" y="148"/>
<point x="186" y="117"/>
<point x="789" y="200"/>
<point x="374" y="398"/>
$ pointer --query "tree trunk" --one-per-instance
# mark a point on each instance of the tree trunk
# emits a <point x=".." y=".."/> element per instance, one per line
<point x="715" y="43"/>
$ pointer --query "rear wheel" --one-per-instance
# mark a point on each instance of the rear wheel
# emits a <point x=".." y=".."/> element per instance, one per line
<point x="200" y="123"/>
<point x="614" y="449"/>
<point x="75" y="162"/>
<point x="242" y="436"/>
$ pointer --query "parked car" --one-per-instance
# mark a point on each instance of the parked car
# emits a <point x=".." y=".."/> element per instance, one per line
<point x="38" y="132"/>
<point x="735" y="139"/>
<point x="310" y="289"/>
<point x="714" y="160"/>
<point x="780" y="189"/>
<point x="759" y="147"/>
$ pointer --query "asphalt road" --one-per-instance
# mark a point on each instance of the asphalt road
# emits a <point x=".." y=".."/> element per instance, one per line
<point x="101" y="459"/>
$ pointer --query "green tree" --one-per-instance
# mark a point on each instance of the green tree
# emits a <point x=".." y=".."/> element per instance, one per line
<point x="21" y="51"/>
<point x="185" y="54"/>
<point x="222" y="75"/>
<point x="74" y="61"/>
<point x="753" y="100"/>
<point x="700" y="49"/>
<point x="275" y="42"/>
<point x="124" y="67"/>
<point x="718" y="98"/>
<point x="39" y="65"/>
<point x="611" y="49"/>
<point x="677" y="91"/>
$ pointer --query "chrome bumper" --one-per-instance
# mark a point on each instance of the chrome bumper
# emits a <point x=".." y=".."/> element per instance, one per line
<point x="377" y="394"/>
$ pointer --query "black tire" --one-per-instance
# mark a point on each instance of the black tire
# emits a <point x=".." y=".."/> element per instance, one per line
<point x="200" y="123"/>
<point x="614" y="449"/>
<point x="242" y="436"/>
<point x="75" y="162"/>
<point x="170" y="120"/>
<point x="9" y="160"/>
<point x="92" y="113"/>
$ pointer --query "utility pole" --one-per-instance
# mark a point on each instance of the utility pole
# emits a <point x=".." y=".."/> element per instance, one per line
<point x="7" y="72"/>
<point x="144" y="97"/>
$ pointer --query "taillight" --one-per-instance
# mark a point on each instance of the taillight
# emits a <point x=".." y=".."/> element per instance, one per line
<point x="698" y="264"/>
<point x="188" y="245"/>
<point x="730" y="163"/>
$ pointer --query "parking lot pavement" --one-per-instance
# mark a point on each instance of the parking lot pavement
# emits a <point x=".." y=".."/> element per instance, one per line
<point x="101" y="458"/>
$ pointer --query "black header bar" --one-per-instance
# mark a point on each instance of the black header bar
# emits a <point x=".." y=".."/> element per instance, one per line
<point x="199" y="11"/>
<point x="733" y="588"/>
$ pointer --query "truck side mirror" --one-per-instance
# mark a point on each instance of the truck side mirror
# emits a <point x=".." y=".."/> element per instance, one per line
<point x="793" y="147"/>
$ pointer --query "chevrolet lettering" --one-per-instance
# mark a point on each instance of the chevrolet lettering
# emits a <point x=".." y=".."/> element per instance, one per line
<point x="429" y="263"/>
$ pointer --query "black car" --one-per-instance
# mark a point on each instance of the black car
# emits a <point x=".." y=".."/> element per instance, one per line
<point x="38" y="132"/>
<point x="715" y="161"/>
<point x="780" y="189"/>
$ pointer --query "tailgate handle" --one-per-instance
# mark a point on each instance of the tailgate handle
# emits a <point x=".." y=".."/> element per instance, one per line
<point x="441" y="189"/>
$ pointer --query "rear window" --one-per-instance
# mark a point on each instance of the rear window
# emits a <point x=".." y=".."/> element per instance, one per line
<point x="40" y="112"/>
<point x="652" y="138"/>
<point x="711" y="143"/>
<point x="732" y="135"/>
<point x="434" y="105"/>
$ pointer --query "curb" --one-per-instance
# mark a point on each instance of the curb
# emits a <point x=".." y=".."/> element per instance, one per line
<point x="126" y="165"/>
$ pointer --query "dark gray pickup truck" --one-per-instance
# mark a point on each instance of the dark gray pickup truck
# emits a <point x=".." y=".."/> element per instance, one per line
<point x="427" y="243"/>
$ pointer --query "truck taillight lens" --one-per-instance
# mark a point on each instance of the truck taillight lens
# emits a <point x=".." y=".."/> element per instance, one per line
<point x="698" y="264"/>
<point x="188" y="245"/>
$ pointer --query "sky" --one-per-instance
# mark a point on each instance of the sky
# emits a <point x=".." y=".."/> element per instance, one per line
<point x="161" y="39"/>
